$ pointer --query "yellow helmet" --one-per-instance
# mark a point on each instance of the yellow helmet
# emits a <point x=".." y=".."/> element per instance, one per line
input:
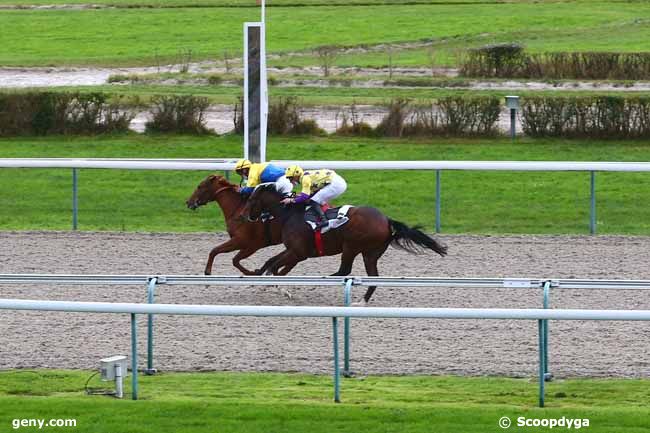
<point x="294" y="171"/>
<point x="242" y="164"/>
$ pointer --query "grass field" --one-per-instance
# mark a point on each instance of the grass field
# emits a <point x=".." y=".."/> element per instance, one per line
<point x="472" y="202"/>
<point x="269" y="402"/>
<point x="269" y="3"/>
<point x="140" y="36"/>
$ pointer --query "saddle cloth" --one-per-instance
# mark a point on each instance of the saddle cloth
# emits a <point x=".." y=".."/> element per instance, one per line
<point x="336" y="217"/>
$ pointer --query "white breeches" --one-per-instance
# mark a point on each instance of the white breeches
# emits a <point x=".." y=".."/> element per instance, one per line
<point x="283" y="185"/>
<point x="331" y="191"/>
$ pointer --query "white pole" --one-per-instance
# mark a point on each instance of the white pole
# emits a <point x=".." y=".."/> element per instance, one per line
<point x="119" y="387"/>
<point x="263" y="10"/>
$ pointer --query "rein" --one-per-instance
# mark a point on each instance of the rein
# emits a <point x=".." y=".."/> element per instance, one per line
<point x="219" y="191"/>
<point x="223" y="188"/>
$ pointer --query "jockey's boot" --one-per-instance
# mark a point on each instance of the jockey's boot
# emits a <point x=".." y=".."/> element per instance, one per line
<point x="322" y="219"/>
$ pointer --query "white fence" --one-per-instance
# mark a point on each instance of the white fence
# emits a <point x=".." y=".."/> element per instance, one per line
<point x="229" y="164"/>
<point x="542" y="315"/>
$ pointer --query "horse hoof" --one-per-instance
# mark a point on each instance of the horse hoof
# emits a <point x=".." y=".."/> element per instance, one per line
<point x="287" y="294"/>
<point x="359" y="304"/>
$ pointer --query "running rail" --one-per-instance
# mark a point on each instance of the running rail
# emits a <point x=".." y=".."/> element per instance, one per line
<point x="541" y="315"/>
<point x="288" y="311"/>
<point x="119" y="163"/>
<point x="238" y="280"/>
<point x="471" y="165"/>
<point x="229" y="164"/>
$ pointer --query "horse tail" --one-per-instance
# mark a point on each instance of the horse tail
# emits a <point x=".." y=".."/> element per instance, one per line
<point x="412" y="239"/>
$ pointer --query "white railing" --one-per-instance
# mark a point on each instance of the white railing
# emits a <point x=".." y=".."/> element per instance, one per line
<point x="332" y="312"/>
<point x="229" y="164"/>
<point x="542" y="315"/>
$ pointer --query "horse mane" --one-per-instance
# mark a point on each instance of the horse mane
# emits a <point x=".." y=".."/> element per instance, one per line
<point x="223" y="180"/>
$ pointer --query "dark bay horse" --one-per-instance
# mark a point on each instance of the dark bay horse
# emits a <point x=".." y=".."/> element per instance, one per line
<point x="247" y="237"/>
<point x="368" y="232"/>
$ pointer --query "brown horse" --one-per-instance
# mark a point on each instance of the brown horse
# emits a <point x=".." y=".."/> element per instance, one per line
<point x="247" y="237"/>
<point x="368" y="232"/>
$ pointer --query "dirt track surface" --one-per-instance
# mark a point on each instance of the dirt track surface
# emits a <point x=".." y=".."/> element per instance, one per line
<point x="71" y="340"/>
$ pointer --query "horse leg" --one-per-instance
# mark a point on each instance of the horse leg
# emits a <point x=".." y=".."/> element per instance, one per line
<point x="370" y="259"/>
<point x="283" y="265"/>
<point x="226" y="247"/>
<point x="241" y="255"/>
<point x="347" y="259"/>
<point x="289" y="264"/>
<point x="270" y="264"/>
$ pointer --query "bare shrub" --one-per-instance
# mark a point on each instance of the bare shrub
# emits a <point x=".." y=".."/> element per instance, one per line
<point x="392" y="125"/>
<point x="179" y="114"/>
<point x="326" y="56"/>
<point x="42" y="113"/>
<point x="351" y="125"/>
<point x="587" y="117"/>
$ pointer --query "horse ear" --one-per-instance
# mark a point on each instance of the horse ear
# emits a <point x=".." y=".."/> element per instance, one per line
<point x="212" y="177"/>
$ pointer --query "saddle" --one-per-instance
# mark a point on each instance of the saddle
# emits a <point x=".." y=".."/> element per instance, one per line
<point x="336" y="217"/>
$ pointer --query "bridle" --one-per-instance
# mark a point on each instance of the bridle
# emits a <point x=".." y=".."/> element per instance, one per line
<point x="223" y="188"/>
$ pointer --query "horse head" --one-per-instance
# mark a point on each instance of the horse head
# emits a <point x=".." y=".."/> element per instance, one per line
<point x="208" y="190"/>
<point x="265" y="197"/>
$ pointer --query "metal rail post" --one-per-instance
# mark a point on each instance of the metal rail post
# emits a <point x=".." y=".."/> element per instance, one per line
<point x="150" y="299"/>
<point x="134" y="358"/>
<point x="547" y="293"/>
<point x="75" y="199"/>
<point x="542" y="349"/>
<point x="437" y="201"/>
<point x="592" y="213"/>
<point x="337" y="372"/>
<point x="347" y="299"/>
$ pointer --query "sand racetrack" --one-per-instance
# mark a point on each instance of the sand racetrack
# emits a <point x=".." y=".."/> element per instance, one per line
<point x="71" y="340"/>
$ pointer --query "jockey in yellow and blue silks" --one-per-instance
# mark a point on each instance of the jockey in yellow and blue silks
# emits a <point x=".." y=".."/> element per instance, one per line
<point x="318" y="188"/>
<point x="256" y="174"/>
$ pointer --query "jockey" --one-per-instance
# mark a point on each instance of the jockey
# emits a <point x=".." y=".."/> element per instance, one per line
<point x="256" y="174"/>
<point x="318" y="188"/>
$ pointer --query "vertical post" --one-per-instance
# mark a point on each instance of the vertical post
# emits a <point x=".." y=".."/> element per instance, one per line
<point x="337" y="373"/>
<point x="255" y="92"/>
<point x="512" y="103"/>
<point x="347" y="299"/>
<point x="150" y="299"/>
<point x="592" y="213"/>
<point x="437" y="201"/>
<point x="134" y="358"/>
<point x="75" y="200"/>
<point x="547" y="293"/>
<point x="540" y="326"/>
<point x="227" y="175"/>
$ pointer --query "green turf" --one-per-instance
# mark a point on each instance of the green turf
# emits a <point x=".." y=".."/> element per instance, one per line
<point x="269" y="3"/>
<point x="270" y="402"/>
<point x="150" y="36"/>
<point x="472" y="202"/>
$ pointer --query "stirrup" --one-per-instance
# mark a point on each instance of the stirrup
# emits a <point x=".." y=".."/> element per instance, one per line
<point x="320" y="224"/>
